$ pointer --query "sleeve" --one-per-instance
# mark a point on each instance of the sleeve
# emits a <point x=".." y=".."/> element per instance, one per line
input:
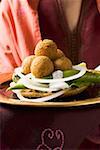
<point x="19" y="32"/>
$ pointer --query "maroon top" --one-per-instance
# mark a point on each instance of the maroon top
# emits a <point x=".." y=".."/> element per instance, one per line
<point x="83" y="43"/>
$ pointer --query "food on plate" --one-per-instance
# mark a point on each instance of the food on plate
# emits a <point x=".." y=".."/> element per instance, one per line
<point x="59" y="53"/>
<point x="32" y="93"/>
<point x="42" y="66"/>
<point x="46" y="48"/>
<point x="46" y="78"/>
<point x="27" y="63"/>
<point x="63" y="63"/>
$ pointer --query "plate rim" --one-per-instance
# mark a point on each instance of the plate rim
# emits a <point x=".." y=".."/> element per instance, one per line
<point x="86" y="102"/>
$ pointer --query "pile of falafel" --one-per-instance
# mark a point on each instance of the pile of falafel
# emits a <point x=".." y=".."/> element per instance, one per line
<point x="47" y="58"/>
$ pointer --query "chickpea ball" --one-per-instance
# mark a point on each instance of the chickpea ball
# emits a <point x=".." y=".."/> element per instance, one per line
<point x="59" y="53"/>
<point x="63" y="63"/>
<point x="46" y="48"/>
<point x="27" y="63"/>
<point x="42" y="66"/>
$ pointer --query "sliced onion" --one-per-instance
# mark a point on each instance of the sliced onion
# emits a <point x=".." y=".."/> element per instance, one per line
<point x="12" y="84"/>
<point x="78" y="75"/>
<point x="59" y="85"/>
<point x="97" y="68"/>
<point x="17" y="71"/>
<point x="32" y="84"/>
<point x="43" y="99"/>
<point x="28" y="83"/>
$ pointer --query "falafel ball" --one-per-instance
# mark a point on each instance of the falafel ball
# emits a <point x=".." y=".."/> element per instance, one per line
<point x="63" y="63"/>
<point x="42" y="66"/>
<point x="59" y="53"/>
<point x="27" y="63"/>
<point x="46" y="48"/>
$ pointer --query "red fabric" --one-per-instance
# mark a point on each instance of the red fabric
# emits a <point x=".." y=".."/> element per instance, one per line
<point x="22" y="127"/>
<point x="53" y="28"/>
<point x="19" y="32"/>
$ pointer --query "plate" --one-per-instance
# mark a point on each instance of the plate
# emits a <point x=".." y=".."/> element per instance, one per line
<point x="88" y="96"/>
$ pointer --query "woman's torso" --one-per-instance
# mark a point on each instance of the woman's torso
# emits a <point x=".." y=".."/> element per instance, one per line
<point x="81" y="44"/>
